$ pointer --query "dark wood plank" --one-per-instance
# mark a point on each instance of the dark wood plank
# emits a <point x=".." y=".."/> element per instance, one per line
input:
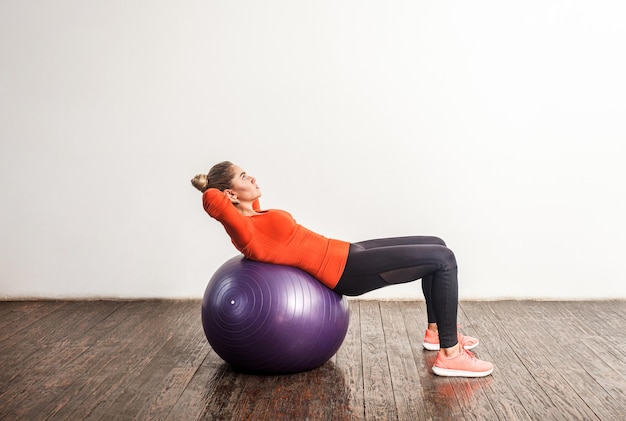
<point x="318" y="394"/>
<point x="569" y="362"/>
<point x="116" y="358"/>
<point x="601" y="360"/>
<point x="601" y="322"/>
<point x="349" y="360"/>
<point x="50" y="337"/>
<point x="194" y="402"/>
<point x="333" y="399"/>
<point x="241" y="394"/>
<point x="220" y="392"/>
<point x="54" y="341"/>
<point x="165" y="395"/>
<point x="15" y="315"/>
<point x="563" y="401"/>
<point x="436" y="405"/>
<point x="513" y="394"/>
<point x="125" y="376"/>
<point x="267" y="397"/>
<point x="161" y="382"/>
<point x="7" y="307"/>
<point x="407" y="390"/>
<point x="378" y="397"/>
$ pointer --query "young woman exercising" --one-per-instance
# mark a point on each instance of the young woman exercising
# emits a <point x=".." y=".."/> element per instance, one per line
<point x="231" y="196"/>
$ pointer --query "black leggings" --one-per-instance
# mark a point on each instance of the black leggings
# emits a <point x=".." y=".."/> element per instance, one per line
<point x="378" y="263"/>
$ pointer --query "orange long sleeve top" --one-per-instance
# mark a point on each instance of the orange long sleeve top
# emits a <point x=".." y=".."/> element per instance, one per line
<point x="273" y="236"/>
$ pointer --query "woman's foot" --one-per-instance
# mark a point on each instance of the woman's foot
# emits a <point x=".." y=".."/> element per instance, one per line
<point x="431" y="341"/>
<point x="462" y="364"/>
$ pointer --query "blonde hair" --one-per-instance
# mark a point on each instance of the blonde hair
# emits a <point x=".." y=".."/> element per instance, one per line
<point x="219" y="177"/>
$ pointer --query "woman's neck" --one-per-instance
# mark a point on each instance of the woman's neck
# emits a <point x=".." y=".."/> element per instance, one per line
<point x="246" y="209"/>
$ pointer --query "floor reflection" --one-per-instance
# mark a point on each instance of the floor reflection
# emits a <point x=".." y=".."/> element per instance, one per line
<point x="453" y="394"/>
<point x="329" y="392"/>
<point x="460" y="390"/>
<point x="244" y="395"/>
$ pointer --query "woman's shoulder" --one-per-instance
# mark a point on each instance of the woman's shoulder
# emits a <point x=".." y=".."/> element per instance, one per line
<point x="215" y="202"/>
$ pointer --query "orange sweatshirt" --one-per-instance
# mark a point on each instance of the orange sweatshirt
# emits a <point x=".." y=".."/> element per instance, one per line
<point x="273" y="236"/>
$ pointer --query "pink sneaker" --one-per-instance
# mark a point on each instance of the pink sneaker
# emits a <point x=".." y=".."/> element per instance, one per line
<point x="465" y="364"/>
<point x="431" y="341"/>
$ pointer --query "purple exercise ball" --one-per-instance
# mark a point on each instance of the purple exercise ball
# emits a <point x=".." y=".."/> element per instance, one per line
<point x="271" y="318"/>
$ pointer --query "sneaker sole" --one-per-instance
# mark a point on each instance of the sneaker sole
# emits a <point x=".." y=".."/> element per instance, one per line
<point x="435" y="347"/>
<point x="460" y="373"/>
<point x="430" y="347"/>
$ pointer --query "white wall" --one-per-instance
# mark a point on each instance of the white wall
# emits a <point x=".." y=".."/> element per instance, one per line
<point x="498" y="126"/>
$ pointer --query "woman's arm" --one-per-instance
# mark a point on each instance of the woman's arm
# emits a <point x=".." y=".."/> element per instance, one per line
<point x="218" y="206"/>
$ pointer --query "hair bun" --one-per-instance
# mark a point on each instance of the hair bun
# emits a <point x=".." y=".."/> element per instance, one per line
<point x="201" y="182"/>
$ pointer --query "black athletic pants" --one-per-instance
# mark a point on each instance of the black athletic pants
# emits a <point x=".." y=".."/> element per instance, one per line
<point x="378" y="263"/>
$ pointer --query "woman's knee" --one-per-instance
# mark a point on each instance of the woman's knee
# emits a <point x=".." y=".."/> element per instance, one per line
<point x="438" y="241"/>
<point x="447" y="256"/>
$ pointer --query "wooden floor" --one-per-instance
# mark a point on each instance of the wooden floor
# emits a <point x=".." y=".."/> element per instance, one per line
<point x="149" y="360"/>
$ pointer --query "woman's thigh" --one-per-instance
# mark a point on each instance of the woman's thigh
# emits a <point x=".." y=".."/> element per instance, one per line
<point x="375" y="267"/>
<point x="401" y="241"/>
<point x="381" y="259"/>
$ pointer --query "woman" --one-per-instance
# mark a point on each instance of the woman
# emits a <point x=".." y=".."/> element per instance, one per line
<point x="231" y="196"/>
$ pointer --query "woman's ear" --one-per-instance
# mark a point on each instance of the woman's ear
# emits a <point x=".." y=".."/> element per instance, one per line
<point x="232" y="196"/>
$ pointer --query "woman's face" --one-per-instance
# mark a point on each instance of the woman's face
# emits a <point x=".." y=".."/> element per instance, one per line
<point x="244" y="185"/>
